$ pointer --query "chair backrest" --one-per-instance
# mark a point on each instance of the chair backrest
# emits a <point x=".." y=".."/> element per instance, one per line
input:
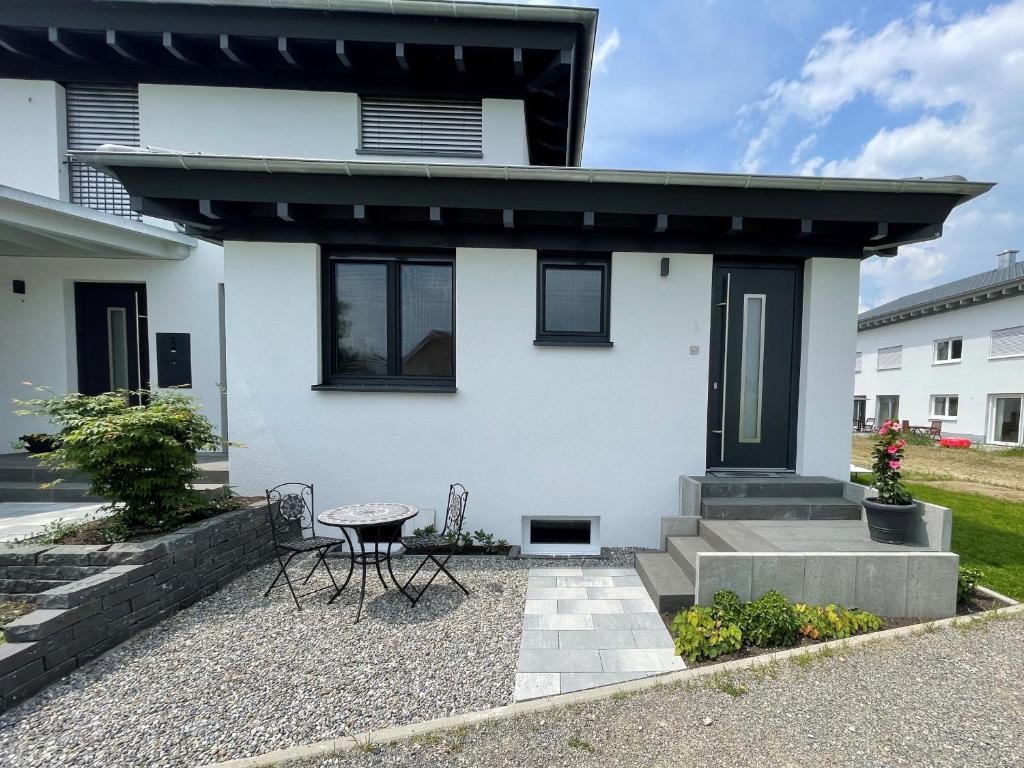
<point x="455" y="514"/>
<point x="869" y="423"/>
<point x="290" y="508"/>
<point x="936" y="427"/>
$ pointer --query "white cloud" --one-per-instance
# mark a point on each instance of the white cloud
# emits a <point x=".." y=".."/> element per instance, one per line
<point x="802" y="146"/>
<point x="604" y="49"/>
<point x="915" y="267"/>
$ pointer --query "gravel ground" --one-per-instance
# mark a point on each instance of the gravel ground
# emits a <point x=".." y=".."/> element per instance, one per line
<point x="951" y="697"/>
<point x="236" y="675"/>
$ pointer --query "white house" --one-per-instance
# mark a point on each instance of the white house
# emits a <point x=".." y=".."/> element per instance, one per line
<point x="953" y="353"/>
<point x="422" y="285"/>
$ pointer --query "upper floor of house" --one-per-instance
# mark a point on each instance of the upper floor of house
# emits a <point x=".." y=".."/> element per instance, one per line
<point x="972" y="327"/>
<point x="340" y="80"/>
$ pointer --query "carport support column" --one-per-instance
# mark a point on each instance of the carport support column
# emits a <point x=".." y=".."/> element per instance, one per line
<point x="828" y="347"/>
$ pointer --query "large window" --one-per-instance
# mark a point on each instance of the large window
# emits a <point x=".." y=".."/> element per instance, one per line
<point x="948" y="350"/>
<point x="945" y="406"/>
<point x="1006" y="419"/>
<point x="888" y="408"/>
<point x="389" y="321"/>
<point x="573" y="299"/>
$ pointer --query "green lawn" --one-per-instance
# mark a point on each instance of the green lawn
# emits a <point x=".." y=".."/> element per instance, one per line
<point x="988" y="534"/>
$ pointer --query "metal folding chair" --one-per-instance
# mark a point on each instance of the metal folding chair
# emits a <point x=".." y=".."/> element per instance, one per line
<point x="449" y="540"/>
<point x="290" y="508"/>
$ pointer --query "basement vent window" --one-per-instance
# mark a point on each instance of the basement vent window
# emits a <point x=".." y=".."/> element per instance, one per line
<point x="421" y="127"/>
<point x="561" y="535"/>
<point x="1008" y="342"/>
<point x="100" y="114"/>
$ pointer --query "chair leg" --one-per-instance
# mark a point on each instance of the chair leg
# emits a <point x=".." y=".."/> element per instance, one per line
<point x="284" y="564"/>
<point x="316" y="562"/>
<point x="441" y="568"/>
<point x="287" y="579"/>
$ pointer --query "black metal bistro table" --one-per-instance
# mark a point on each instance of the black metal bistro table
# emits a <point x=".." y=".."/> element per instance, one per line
<point x="359" y="517"/>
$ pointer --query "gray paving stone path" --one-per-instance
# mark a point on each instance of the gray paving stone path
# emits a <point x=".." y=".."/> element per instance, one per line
<point x="588" y="627"/>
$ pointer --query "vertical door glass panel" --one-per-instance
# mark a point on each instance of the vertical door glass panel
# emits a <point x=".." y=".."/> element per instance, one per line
<point x="117" y="347"/>
<point x="1007" y="420"/>
<point x="572" y="299"/>
<point x="361" y="314"/>
<point x="426" y="319"/>
<point x="751" y="367"/>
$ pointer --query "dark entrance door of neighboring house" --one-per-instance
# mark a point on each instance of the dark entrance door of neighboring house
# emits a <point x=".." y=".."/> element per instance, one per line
<point x="113" y="346"/>
<point x="754" y="366"/>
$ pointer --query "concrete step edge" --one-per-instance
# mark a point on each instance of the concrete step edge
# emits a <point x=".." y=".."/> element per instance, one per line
<point x="665" y="582"/>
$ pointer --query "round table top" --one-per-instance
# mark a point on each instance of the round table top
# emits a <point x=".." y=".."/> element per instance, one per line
<point x="359" y="515"/>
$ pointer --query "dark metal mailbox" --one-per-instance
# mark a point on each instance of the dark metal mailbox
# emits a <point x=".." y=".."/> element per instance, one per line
<point x="173" y="360"/>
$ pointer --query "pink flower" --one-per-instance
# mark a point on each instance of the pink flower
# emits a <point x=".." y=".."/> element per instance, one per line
<point x="894" y="464"/>
<point x="893" y="448"/>
<point x="884" y="429"/>
<point x="902" y="444"/>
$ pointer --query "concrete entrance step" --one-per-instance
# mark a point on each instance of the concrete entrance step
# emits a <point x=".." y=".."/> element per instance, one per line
<point x="683" y="551"/>
<point x="668" y="586"/>
<point x="760" y="487"/>
<point x="29" y="491"/>
<point x="779" y="508"/>
<point x="25" y="468"/>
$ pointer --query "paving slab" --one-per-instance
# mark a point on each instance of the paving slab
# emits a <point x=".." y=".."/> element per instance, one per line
<point x="606" y="630"/>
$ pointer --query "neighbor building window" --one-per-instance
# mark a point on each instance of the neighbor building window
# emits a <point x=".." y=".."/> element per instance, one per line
<point x="100" y="114"/>
<point x="1007" y="426"/>
<point x="1007" y="342"/>
<point x="888" y="408"/>
<point x="573" y="298"/>
<point x="857" y="363"/>
<point x="948" y="350"/>
<point x="890" y="358"/>
<point x="390" y="320"/>
<point x="945" y="406"/>
<point x="445" y="128"/>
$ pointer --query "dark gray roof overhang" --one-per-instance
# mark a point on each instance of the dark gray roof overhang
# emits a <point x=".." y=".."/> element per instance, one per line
<point x="427" y="48"/>
<point x="396" y="204"/>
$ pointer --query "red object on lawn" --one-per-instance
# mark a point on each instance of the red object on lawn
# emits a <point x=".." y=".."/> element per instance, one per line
<point x="955" y="442"/>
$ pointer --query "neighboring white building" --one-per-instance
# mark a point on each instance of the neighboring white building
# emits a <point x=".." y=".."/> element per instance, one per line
<point x="953" y="353"/>
<point x="421" y="285"/>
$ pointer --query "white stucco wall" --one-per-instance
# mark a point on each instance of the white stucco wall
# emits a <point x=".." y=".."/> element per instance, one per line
<point x="974" y="379"/>
<point x="33" y="137"/>
<point x="312" y="124"/>
<point x="828" y="342"/>
<point x="38" y="339"/>
<point x="531" y="430"/>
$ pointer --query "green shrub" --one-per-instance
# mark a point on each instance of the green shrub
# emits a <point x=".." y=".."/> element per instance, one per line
<point x="141" y="457"/>
<point x="966" y="581"/>
<point x="832" y="622"/>
<point x="727" y="606"/>
<point x="769" y="621"/>
<point x="700" y="635"/>
<point x="426" y="530"/>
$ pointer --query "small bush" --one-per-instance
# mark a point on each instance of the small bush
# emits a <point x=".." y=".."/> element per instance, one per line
<point x="700" y="635"/>
<point x="917" y="438"/>
<point x="769" y="621"/>
<point x="426" y="530"/>
<point x="966" y="581"/>
<point x="833" y="622"/>
<point x="141" y="457"/>
<point x="728" y="606"/>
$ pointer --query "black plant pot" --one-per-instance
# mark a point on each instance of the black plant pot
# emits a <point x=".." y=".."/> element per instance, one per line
<point x="889" y="523"/>
<point x="39" y="443"/>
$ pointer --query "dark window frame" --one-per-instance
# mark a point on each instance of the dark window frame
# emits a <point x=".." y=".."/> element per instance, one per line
<point x="579" y="260"/>
<point x="333" y="379"/>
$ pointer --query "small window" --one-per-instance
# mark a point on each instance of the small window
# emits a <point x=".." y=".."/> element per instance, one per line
<point x="945" y="406"/>
<point x="573" y="299"/>
<point x="857" y="363"/>
<point x="948" y="350"/>
<point x="561" y="535"/>
<point x="421" y="127"/>
<point x="890" y="358"/>
<point x="390" y="321"/>
<point x="1007" y="342"/>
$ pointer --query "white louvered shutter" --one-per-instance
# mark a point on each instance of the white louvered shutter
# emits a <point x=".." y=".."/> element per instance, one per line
<point x="1008" y="342"/>
<point x="889" y="358"/>
<point x="100" y="114"/>
<point x="421" y="127"/>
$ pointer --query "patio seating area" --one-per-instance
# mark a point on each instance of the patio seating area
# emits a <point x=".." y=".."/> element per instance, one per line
<point x="236" y="674"/>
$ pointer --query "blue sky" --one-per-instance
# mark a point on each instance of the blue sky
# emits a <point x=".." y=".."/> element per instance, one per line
<point x="825" y="88"/>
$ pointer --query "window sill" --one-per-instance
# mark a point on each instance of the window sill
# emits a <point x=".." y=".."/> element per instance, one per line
<point x="1005" y="357"/>
<point x="383" y="387"/>
<point x="942" y="418"/>
<point x="566" y="343"/>
<point x="946" y="362"/>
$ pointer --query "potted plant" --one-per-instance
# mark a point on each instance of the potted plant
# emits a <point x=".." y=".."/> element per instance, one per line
<point x="38" y="442"/>
<point x="890" y="512"/>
